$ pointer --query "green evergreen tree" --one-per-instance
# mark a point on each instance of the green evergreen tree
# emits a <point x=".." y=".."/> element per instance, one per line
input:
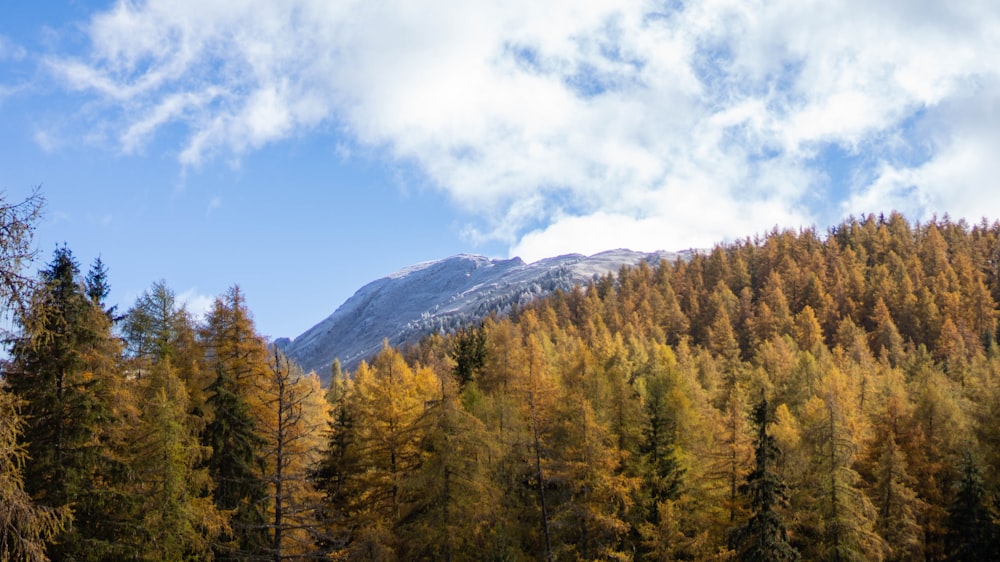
<point x="764" y="538"/>
<point x="65" y="372"/>
<point x="98" y="287"/>
<point x="235" y="464"/>
<point x="340" y="460"/>
<point x="972" y="534"/>
<point x="235" y="467"/>
<point x="662" y="469"/>
<point x="469" y="353"/>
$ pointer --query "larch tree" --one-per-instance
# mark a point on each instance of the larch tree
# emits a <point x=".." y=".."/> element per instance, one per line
<point x="843" y="517"/>
<point x="25" y="526"/>
<point x="388" y="401"/>
<point x="891" y="485"/>
<point x="296" y="413"/>
<point x="590" y="491"/>
<point x="179" y="518"/>
<point x="450" y="499"/>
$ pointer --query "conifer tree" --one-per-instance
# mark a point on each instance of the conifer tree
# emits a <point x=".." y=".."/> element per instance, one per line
<point x="972" y="533"/>
<point x="764" y="538"/>
<point x="333" y="473"/>
<point x="237" y="356"/>
<point x="843" y="517"/>
<point x="17" y="222"/>
<point x="65" y="372"/>
<point x="662" y="469"/>
<point x="98" y="288"/>
<point x="382" y="450"/>
<point x="179" y="519"/>
<point x="25" y="528"/>
<point x="296" y="414"/>
<point x="891" y="485"/>
<point x="591" y="492"/>
<point x="450" y="498"/>
<point x="469" y="353"/>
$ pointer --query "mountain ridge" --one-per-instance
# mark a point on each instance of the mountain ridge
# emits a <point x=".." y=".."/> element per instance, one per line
<point x="443" y="295"/>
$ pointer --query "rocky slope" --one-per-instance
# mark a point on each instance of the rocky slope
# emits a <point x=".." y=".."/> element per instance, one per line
<point x="442" y="296"/>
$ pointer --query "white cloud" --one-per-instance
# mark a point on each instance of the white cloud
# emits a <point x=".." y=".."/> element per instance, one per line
<point x="197" y="304"/>
<point x="959" y="174"/>
<point x="569" y="125"/>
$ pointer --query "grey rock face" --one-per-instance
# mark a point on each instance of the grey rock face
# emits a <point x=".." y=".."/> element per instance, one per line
<point x="443" y="296"/>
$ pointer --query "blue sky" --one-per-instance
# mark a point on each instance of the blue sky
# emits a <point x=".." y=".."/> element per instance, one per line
<point x="304" y="148"/>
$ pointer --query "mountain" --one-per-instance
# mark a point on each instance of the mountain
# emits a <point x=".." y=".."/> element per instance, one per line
<point x="443" y="295"/>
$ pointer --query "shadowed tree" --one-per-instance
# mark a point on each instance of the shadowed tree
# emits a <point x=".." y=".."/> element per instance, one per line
<point x="764" y="537"/>
<point x="972" y="534"/>
<point x="237" y="356"/>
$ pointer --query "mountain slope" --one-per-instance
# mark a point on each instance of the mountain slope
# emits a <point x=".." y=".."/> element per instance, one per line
<point x="442" y="295"/>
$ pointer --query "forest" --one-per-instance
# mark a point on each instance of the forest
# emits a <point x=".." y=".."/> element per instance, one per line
<point x="793" y="396"/>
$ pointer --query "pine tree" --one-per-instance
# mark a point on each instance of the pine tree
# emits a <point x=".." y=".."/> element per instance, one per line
<point x="764" y="538"/>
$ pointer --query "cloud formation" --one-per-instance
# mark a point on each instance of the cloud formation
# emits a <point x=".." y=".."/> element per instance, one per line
<point x="197" y="304"/>
<point x="578" y="126"/>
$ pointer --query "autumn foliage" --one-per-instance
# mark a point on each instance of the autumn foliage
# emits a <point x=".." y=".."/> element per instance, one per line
<point x="794" y="396"/>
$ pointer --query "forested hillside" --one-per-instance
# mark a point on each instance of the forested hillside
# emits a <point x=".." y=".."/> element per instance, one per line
<point x="796" y="396"/>
<point x="832" y="397"/>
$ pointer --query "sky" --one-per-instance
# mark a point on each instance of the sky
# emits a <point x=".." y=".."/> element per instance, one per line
<point x="303" y="148"/>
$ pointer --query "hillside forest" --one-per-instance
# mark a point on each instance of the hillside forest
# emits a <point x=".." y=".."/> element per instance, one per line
<point x="794" y="396"/>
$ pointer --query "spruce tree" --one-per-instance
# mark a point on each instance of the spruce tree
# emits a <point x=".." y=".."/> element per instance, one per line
<point x="238" y="358"/>
<point x="98" y="288"/>
<point x="235" y="468"/>
<point x="469" y="353"/>
<point x="972" y="535"/>
<point x="662" y="469"/>
<point x="764" y="538"/>
<point x="65" y="372"/>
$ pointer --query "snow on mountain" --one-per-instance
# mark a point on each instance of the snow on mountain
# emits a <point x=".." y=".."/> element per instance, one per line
<point x="442" y="296"/>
